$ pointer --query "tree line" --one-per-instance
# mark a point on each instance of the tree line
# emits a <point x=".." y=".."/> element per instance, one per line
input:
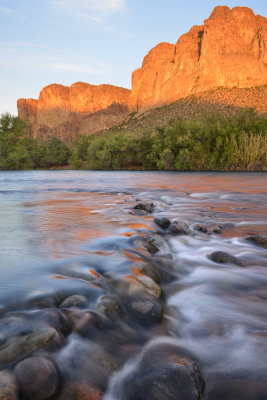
<point x="211" y="142"/>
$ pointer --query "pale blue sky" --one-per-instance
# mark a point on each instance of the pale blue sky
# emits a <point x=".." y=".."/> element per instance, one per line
<point x="94" y="41"/>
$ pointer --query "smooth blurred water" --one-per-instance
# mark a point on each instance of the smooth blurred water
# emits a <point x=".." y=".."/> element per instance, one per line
<point x="57" y="226"/>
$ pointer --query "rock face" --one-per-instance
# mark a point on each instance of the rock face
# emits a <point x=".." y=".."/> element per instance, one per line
<point x="65" y="112"/>
<point x="229" y="50"/>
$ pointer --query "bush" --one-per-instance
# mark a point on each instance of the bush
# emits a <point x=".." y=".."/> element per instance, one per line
<point x="214" y="142"/>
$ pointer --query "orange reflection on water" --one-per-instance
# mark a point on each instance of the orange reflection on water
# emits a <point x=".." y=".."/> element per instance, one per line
<point x="141" y="226"/>
<point x="94" y="273"/>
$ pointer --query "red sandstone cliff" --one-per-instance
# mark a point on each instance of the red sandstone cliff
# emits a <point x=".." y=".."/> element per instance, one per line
<point x="229" y="50"/>
<point x="65" y="112"/>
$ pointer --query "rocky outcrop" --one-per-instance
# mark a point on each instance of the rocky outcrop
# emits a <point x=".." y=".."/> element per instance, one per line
<point x="229" y="50"/>
<point x="65" y="112"/>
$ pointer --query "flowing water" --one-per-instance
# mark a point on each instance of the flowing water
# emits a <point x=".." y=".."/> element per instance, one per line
<point x="63" y="231"/>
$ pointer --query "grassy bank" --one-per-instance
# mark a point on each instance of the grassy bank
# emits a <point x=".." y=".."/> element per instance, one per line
<point x="214" y="142"/>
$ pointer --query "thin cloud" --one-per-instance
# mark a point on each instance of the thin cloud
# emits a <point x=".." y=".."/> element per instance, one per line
<point x="73" y="68"/>
<point x="5" y="10"/>
<point x="91" y="67"/>
<point x="95" y="10"/>
<point x="23" y="44"/>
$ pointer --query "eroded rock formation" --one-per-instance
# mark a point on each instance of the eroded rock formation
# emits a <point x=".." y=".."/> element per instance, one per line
<point x="229" y="50"/>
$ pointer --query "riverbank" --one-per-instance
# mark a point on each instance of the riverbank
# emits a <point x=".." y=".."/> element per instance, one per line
<point x="212" y="142"/>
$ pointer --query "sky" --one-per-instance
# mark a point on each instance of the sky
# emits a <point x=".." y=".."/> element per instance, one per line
<point x="93" y="41"/>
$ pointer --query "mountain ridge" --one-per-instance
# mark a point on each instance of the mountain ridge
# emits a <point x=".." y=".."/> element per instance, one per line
<point x="229" y="50"/>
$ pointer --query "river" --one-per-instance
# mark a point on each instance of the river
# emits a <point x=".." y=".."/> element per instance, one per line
<point x="66" y="233"/>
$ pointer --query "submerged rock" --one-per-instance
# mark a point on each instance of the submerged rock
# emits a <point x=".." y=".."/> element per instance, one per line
<point x="74" y="301"/>
<point x="217" y="230"/>
<point x="8" y="386"/>
<point x="258" y="240"/>
<point x="222" y="257"/>
<point x="38" y="378"/>
<point x="147" y="207"/>
<point x="109" y="306"/>
<point x="147" y="269"/>
<point x="179" y="228"/>
<point x="200" y="228"/>
<point x="164" y="223"/>
<point x="162" y="374"/>
<point x="144" y="310"/>
<point x="79" y="391"/>
<point x="20" y="347"/>
<point x="143" y="284"/>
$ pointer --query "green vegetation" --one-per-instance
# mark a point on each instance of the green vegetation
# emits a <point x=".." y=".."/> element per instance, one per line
<point x="215" y="142"/>
<point x="218" y="143"/>
<point x="19" y="151"/>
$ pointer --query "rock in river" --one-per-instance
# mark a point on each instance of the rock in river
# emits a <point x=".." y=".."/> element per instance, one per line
<point x="38" y="378"/>
<point x="79" y="391"/>
<point x="8" y="386"/>
<point x="200" y="228"/>
<point x="224" y="258"/>
<point x="147" y="207"/>
<point x="74" y="301"/>
<point x="19" y="347"/>
<point x="164" y="223"/>
<point x="179" y="228"/>
<point x="161" y="373"/>
<point x="258" y="240"/>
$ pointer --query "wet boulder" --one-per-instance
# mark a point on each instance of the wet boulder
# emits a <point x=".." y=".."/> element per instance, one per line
<point x="38" y="378"/>
<point x="148" y="269"/>
<point x="19" y="347"/>
<point x="74" y="301"/>
<point x="84" y="360"/>
<point x="179" y="228"/>
<point x="8" y="386"/>
<point x="145" y="243"/>
<point x="132" y="285"/>
<point x="56" y="319"/>
<point x="218" y="230"/>
<point x="143" y="310"/>
<point x="161" y="373"/>
<point x="235" y="386"/>
<point x="200" y="228"/>
<point x="109" y="306"/>
<point x="222" y="257"/>
<point x="40" y="300"/>
<point x="163" y="223"/>
<point x="79" y="390"/>
<point x="90" y="323"/>
<point x="258" y="240"/>
<point x="152" y="244"/>
<point x="147" y="207"/>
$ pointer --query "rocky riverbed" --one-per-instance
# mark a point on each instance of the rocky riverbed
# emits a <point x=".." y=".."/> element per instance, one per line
<point x="171" y="306"/>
